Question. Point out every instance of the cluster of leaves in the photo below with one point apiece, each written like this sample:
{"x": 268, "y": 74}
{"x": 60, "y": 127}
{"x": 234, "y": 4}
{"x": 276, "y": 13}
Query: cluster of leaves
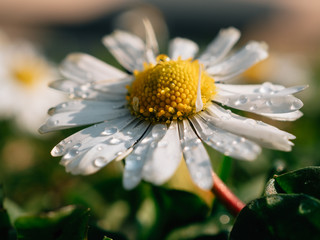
{"x": 289, "y": 209}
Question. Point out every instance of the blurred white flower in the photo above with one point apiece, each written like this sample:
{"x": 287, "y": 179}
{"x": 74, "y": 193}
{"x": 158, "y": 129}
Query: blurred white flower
{"x": 167, "y": 108}
{"x": 24, "y": 78}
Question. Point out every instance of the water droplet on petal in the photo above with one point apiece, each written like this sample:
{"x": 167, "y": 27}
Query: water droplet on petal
{"x": 295, "y": 105}
{"x": 269, "y": 103}
{"x": 100, "y": 162}
{"x": 241, "y": 100}
{"x": 253, "y": 107}
{"x": 109, "y": 131}
{"x": 114, "y": 141}
{"x": 162, "y": 144}
{"x": 158, "y": 131}
{"x": 57, "y": 150}
{"x": 250, "y": 121}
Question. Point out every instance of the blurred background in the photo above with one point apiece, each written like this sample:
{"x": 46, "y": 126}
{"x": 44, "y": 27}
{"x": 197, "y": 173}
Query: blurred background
{"x": 37, "y": 35}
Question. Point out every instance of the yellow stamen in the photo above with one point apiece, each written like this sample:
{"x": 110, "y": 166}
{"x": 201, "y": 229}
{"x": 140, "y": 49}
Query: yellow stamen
{"x": 168, "y": 90}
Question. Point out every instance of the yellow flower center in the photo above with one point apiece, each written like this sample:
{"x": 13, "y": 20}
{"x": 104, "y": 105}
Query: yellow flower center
{"x": 168, "y": 90}
{"x": 29, "y": 72}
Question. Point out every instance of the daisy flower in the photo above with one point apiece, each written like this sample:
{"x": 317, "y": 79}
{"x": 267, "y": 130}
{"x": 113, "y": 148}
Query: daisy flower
{"x": 24, "y": 78}
{"x": 166, "y": 107}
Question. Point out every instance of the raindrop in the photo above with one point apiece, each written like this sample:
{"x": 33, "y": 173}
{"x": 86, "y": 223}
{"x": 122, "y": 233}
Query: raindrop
{"x": 57, "y": 150}
{"x": 77, "y": 146}
{"x": 63, "y": 105}
{"x": 266, "y": 88}
{"x": 250, "y": 121}
{"x": 253, "y": 107}
{"x": 295, "y": 105}
{"x": 71, "y": 154}
{"x": 241, "y": 100}
{"x": 186, "y": 149}
{"x": 109, "y": 131}
{"x": 85, "y": 95}
{"x": 114, "y": 141}
{"x": 162, "y": 144}
{"x": 224, "y": 219}
{"x": 305, "y": 208}
{"x": 269, "y": 103}
{"x": 158, "y": 131}
{"x": 100, "y": 162}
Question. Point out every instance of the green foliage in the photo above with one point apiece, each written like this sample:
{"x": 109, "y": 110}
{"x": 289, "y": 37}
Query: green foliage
{"x": 5, "y": 226}
{"x": 68, "y": 223}
{"x": 290, "y": 209}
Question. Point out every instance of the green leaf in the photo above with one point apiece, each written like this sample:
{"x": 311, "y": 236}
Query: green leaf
{"x": 305, "y": 180}
{"x": 68, "y": 223}
{"x": 281, "y": 216}
{"x": 6, "y": 230}
{"x": 176, "y": 208}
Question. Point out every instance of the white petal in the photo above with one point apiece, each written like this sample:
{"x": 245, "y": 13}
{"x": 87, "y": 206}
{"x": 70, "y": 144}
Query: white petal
{"x": 258, "y": 99}
{"x": 182, "y": 47}
{"x": 264, "y": 89}
{"x": 163, "y": 157}
{"x": 291, "y": 116}
{"x": 85, "y": 68}
{"x": 92, "y": 90}
{"x": 94, "y": 134}
{"x": 78, "y": 105}
{"x": 134, "y": 163}
{"x": 220, "y": 46}
{"x": 262, "y": 133}
{"x": 79, "y": 118}
{"x": 127, "y": 48}
{"x": 99, "y": 155}
{"x": 199, "y": 103}
{"x": 195, "y": 155}
{"x": 152, "y": 48}
{"x": 249, "y": 55}
{"x": 225, "y": 142}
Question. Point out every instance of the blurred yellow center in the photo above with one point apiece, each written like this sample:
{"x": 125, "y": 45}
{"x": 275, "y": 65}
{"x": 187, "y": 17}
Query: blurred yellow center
{"x": 168, "y": 90}
{"x": 25, "y": 76}
{"x": 29, "y": 71}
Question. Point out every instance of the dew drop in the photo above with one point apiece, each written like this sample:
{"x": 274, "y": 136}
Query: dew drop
{"x": 224, "y": 219}
{"x": 99, "y": 148}
{"x": 305, "y": 208}
{"x": 253, "y": 107}
{"x": 162, "y": 144}
{"x": 109, "y": 131}
{"x": 63, "y": 105}
{"x": 241, "y": 100}
{"x": 266, "y": 88}
{"x": 100, "y": 162}
{"x": 250, "y": 121}
{"x": 295, "y": 105}
{"x": 269, "y": 103}
{"x": 57, "y": 150}
{"x": 114, "y": 141}
{"x": 77, "y": 146}
{"x": 158, "y": 131}
{"x": 186, "y": 149}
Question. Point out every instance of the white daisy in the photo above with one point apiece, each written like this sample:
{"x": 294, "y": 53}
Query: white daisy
{"x": 24, "y": 78}
{"x": 166, "y": 108}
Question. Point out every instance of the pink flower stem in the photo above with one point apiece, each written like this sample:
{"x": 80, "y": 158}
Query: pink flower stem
{"x": 225, "y": 196}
